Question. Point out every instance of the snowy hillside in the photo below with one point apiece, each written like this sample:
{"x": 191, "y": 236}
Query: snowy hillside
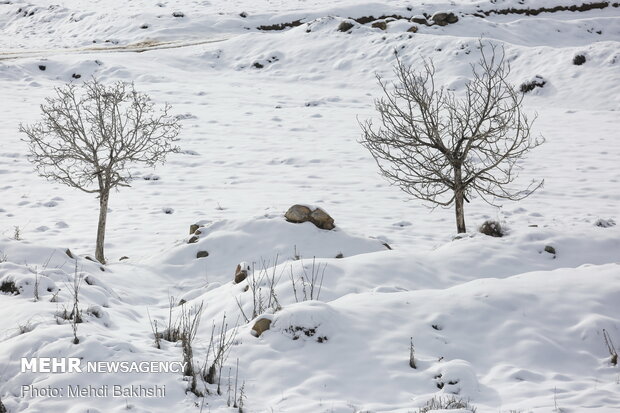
{"x": 270, "y": 95}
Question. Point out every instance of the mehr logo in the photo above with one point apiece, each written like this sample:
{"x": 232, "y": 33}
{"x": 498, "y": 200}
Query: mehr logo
{"x": 51, "y": 365}
{"x": 75, "y": 365}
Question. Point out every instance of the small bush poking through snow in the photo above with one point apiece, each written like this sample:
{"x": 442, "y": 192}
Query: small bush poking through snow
{"x": 610, "y": 347}
{"x": 492, "y": 229}
{"x": 603, "y": 223}
{"x": 579, "y": 59}
{"x": 447, "y": 403}
{"x": 25, "y": 328}
{"x": 9, "y": 287}
{"x": 538, "y": 81}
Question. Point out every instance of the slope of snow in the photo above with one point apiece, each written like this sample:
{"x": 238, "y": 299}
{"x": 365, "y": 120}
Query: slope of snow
{"x": 498, "y": 321}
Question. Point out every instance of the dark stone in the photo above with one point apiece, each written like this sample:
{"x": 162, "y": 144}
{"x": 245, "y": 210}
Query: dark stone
{"x": 240, "y": 274}
{"x": 443, "y": 19}
{"x": 69, "y": 253}
{"x": 379, "y": 25}
{"x": 193, "y": 228}
{"x": 144, "y": 26}
{"x": 178, "y": 14}
{"x": 258, "y": 65}
{"x": 42, "y": 67}
{"x": 550, "y": 249}
{"x": 419, "y": 20}
{"x": 202, "y": 254}
{"x": 123, "y": 258}
{"x": 243, "y": 14}
{"x": 76, "y": 75}
{"x": 280, "y": 26}
{"x": 345, "y": 26}
{"x": 192, "y": 240}
{"x": 413, "y": 29}
{"x": 340, "y": 255}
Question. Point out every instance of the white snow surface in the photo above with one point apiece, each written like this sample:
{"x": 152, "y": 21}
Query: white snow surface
{"x": 497, "y": 321}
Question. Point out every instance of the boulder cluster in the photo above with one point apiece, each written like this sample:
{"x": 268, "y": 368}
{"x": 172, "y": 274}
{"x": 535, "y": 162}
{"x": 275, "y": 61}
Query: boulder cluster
{"x": 301, "y": 213}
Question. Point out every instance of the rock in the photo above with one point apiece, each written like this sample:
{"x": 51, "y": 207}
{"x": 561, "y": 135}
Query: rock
{"x": 42, "y": 67}
{"x": 492, "y": 229}
{"x": 379, "y": 25}
{"x": 178, "y": 14}
{"x": 261, "y": 326}
{"x": 123, "y": 258}
{"x": 579, "y": 60}
{"x": 192, "y": 240}
{"x": 345, "y": 26}
{"x": 69, "y": 253}
{"x": 301, "y": 213}
{"x": 193, "y": 228}
{"x": 413, "y": 29}
{"x": 202, "y": 254}
{"x": 298, "y": 214}
{"x": 550, "y": 250}
{"x": 322, "y": 219}
{"x": 340, "y": 255}
{"x": 419, "y": 20}
{"x": 443, "y": 19}
{"x": 241, "y": 273}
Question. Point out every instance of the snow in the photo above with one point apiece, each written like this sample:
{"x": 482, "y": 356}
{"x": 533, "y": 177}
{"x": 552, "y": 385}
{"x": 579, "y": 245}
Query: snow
{"x": 496, "y": 321}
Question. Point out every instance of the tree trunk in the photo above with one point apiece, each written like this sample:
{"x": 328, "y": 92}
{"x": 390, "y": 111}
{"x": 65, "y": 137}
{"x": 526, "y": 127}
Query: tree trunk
{"x": 459, "y": 197}
{"x": 104, "y": 195}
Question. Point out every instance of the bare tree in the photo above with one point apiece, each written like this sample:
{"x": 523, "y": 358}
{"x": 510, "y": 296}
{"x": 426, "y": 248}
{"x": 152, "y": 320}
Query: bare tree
{"x": 440, "y": 147}
{"x": 90, "y": 135}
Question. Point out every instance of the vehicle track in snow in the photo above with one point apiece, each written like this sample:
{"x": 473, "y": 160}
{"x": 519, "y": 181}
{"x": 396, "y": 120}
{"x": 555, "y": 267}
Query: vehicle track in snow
{"x": 139, "y": 47}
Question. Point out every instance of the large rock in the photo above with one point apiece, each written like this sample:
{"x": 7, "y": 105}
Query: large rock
{"x": 443, "y": 19}
{"x": 379, "y": 25}
{"x": 301, "y": 213}
{"x": 345, "y": 26}
{"x": 322, "y": 219}
{"x": 261, "y": 326}
{"x": 419, "y": 20}
{"x": 241, "y": 272}
{"x": 298, "y": 214}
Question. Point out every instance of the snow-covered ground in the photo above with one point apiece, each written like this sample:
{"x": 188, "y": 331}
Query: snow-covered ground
{"x": 497, "y": 321}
